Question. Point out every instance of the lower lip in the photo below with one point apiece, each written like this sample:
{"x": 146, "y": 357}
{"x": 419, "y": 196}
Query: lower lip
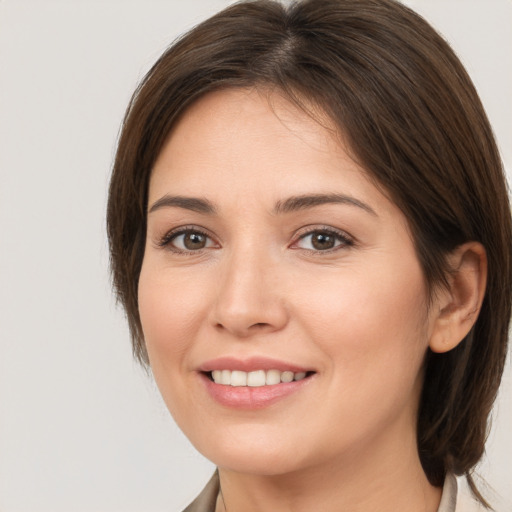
{"x": 245, "y": 397}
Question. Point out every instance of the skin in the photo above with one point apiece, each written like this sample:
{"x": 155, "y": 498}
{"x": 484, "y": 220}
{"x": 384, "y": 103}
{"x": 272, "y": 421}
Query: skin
{"x": 357, "y": 314}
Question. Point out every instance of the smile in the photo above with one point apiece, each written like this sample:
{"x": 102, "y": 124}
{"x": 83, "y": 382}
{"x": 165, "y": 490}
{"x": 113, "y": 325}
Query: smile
{"x": 255, "y": 379}
{"x": 255, "y": 382}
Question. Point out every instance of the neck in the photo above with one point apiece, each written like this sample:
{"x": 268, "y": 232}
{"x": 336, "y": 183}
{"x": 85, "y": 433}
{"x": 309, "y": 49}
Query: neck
{"x": 388, "y": 479}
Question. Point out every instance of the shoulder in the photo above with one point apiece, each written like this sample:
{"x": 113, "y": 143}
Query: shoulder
{"x": 206, "y": 500}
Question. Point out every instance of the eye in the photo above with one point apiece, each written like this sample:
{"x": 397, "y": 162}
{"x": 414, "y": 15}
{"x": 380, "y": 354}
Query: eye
{"x": 323, "y": 240}
{"x": 187, "y": 240}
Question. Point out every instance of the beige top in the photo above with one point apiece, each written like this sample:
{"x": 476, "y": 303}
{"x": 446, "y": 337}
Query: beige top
{"x": 456, "y": 497}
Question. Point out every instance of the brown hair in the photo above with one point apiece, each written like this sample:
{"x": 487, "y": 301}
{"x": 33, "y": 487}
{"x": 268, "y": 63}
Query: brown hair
{"x": 413, "y": 120}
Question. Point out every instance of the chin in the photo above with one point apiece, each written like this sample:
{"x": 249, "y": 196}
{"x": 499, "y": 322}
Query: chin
{"x": 252, "y": 453}
{"x": 271, "y": 464}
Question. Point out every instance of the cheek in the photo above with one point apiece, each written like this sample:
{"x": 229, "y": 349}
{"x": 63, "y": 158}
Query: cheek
{"x": 382, "y": 297}
{"x": 373, "y": 332}
{"x": 373, "y": 325}
{"x": 170, "y": 308}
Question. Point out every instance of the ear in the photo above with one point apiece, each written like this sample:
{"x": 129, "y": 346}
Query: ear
{"x": 456, "y": 308}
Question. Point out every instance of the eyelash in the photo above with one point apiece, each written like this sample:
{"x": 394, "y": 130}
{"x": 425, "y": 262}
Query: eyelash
{"x": 166, "y": 240}
{"x": 344, "y": 239}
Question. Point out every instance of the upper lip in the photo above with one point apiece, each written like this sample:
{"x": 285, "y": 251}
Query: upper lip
{"x": 250, "y": 364}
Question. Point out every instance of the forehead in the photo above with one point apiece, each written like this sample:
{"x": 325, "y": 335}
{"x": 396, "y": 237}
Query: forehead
{"x": 232, "y": 123}
{"x": 257, "y": 146}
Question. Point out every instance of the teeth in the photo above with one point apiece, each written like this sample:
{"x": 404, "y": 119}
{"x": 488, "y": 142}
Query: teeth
{"x": 254, "y": 379}
{"x": 225, "y": 377}
{"x": 286, "y": 376}
{"x": 238, "y": 378}
{"x": 273, "y": 377}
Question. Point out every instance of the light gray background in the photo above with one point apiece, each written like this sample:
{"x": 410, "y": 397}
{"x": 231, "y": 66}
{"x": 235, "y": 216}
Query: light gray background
{"x": 81, "y": 427}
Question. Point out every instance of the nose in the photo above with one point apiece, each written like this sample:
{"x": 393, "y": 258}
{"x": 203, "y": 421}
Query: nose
{"x": 250, "y": 298}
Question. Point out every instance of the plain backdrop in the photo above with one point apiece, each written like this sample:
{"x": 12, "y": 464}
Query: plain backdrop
{"x": 82, "y": 428}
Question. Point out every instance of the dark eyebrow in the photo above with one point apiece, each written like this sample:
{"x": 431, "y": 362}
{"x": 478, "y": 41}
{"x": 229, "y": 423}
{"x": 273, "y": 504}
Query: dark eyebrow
{"x": 188, "y": 203}
{"x": 303, "y": 202}
{"x": 289, "y": 205}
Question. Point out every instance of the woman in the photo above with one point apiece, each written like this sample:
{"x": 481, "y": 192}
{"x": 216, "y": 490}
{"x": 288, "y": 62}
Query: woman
{"x": 310, "y": 233}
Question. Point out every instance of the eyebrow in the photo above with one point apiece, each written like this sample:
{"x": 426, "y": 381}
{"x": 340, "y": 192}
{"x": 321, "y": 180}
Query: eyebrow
{"x": 303, "y": 202}
{"x": 291, "y": 204}
{"x": 194, "y": 204}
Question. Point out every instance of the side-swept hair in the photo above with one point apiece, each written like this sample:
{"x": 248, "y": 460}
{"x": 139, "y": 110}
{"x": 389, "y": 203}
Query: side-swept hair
{"x": 413, "y": 120}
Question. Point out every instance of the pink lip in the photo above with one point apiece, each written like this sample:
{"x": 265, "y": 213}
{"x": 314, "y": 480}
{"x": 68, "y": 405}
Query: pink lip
{"x": 248, "y": 398}
{"x": 250, "y": 365}
{"x": 245, "y": 397}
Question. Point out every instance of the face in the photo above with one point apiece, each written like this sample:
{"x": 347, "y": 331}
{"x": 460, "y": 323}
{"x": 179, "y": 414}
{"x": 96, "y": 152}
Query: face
{"x": 281, "y": 299}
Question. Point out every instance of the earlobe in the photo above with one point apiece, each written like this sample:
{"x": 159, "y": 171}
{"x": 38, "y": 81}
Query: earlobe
{"x": 458, "y": 306}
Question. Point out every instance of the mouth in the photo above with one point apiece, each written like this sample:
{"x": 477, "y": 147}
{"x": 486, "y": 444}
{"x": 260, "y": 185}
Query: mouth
{"x": 256, "y": 378}
{"x": 255, "y": 382}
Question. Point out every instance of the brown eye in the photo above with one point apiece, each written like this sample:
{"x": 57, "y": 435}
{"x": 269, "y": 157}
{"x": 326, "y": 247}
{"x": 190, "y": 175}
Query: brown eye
{"x": 322, "y": 240}
{"x": 189, "y": 240}
{"x": 193, "y": 241}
